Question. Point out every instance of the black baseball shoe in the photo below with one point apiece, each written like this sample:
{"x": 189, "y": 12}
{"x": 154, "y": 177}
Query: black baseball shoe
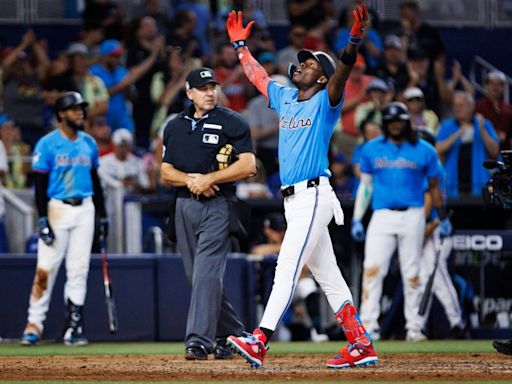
{"x": 196, "y": 351}
{"x": 222, "y": 351}
{"x": 504, "y": 346}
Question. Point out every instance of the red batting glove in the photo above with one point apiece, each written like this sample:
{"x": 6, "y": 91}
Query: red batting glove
{"x": 236, "y": 31}
{"x": 360, "y": 14}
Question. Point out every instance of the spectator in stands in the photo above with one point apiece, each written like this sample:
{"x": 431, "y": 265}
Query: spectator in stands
{"x": 101, "y": 132}
{"x": 119, "y": 80}
{"x": 158, "y": 10}
{"x": 288, "y": 54}
{"x": 371, "y": 47}
{"x": 249, "y": 11}
{"x": 92, "y": 36}
{"x": 168, "y": 87}
{"x": 79, "y": 78}
{"x": 4, "y": 168}
{"x": 421, "y": 117}
{"x": 459, "y": 78}
{"x": 123, "y": 165}
{"x": 23, "y": 69}
{"x": 184, "y": 36}
{"x": 274, "y": 227}
{"x": 419, "y": 34}
{"x": 369, "y": 130}
{"x": 355, "y": 93}
{"x": 232, "y": 79}
{"x": 18, "y": 154}
{"x": 146, "y": 35}
{"x": 378, "y": 95}
{"x": 434, "y": 87}
{"x": 309, "y": 13}
{"x": 342, "y": 180}
{"x": 316, "y": 37}
{"x": 254, "y": 187}
{"x": 268, "y": 60}
{"x": 493, "y": 107}
{"x": 264, "y": 125}
{"x": 202, "y": 29}
{"x": 108, "y": 14}
{"x": 393, "y": 70}
{"x": 463, "y": 143}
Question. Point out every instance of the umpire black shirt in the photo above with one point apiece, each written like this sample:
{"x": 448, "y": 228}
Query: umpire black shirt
{"x": 191, "y": 144}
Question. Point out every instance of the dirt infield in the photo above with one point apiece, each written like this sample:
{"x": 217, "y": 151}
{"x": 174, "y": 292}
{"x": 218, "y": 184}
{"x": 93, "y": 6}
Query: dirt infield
{"x": 153, "y": 368}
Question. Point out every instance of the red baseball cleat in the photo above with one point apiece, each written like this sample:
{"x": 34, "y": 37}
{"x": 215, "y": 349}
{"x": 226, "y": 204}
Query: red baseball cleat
{"x": 251, "y": 347}
{"x": 354, "y": 355}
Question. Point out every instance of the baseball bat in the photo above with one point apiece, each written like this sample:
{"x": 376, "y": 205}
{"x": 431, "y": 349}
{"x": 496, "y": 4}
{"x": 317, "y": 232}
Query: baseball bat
{"x": 107, "y": 283}
{"x": 428, "y": 288}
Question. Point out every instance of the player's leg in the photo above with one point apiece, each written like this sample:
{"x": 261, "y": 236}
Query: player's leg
{"x": 78, "y": 259}
{"x": 307, "y": 215}
{"x": 410, "y": 246}
{"x": 49, "y": 259}
{"x": 379, "y": 247}
{"x": 444, "y": 289}
{"x": 323, "y": 265}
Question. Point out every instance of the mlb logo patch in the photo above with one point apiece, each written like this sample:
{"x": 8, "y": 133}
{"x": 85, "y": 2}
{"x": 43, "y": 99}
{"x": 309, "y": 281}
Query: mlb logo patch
{"x": 205, "y": 74}
{"x": 209, "y": 138}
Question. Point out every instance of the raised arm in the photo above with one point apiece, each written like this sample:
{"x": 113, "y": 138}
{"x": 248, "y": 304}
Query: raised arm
{"x": 336, "y": 84}
{"x": 256, "y": 74}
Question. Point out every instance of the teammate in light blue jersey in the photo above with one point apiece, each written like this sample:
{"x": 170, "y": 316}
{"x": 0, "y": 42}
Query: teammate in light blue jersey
{"x": 307, "y": 115}
{"x": 394, "y": 168}
{"x": 68, "y": 197}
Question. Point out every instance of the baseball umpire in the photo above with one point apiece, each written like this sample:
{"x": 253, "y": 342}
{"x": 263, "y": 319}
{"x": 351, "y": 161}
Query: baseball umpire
{"x": 307, "y": 115}
{"x": 394, "y": 168}
{"x": 68, "y": 195}
{"x": 204, "y": 134}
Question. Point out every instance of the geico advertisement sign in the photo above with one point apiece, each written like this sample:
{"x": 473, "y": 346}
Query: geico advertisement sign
{"x": 477, "y": 242}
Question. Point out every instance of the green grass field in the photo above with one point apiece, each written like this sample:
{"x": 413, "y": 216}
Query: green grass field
{"x": 391, "y": 347}
{"x": 438, "y": 346}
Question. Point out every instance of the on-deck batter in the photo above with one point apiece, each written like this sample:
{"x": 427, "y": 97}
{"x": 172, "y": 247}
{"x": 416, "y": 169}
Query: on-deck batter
{"x": 306, "y": 120}
{"x": 68, "y": 191}
{"x": 393, "y": 171}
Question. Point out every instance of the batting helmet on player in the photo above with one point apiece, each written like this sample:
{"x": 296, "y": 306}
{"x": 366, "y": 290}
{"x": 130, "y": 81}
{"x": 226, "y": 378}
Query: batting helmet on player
{"x": 326, "y": 62}
{"x": 69, "y": 100}
{"x": 397, "y": 111}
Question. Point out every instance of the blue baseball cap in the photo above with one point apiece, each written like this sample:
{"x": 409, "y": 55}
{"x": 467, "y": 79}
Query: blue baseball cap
{"x": 111, "y": 47}
{"x": 4, "y": 118}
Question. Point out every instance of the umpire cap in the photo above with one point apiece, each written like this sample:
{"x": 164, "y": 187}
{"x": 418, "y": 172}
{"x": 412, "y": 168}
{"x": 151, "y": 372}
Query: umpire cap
{"x": 395, "y": 111}
{"x": 199, "y": 77}
{"x": 326, "y": 62}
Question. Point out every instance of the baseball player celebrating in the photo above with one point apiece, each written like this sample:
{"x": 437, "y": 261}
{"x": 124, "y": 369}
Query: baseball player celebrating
{"x": 394, "y": 167}
{"x": 68, "y": 192}
{"x": 306, "y": 120}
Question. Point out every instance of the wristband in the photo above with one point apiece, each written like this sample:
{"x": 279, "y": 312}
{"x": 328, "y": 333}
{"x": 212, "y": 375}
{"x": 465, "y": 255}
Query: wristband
{"x": 348, "y": 58}
{"x": 238, "y": 44}
{"x": 355, "y": 40}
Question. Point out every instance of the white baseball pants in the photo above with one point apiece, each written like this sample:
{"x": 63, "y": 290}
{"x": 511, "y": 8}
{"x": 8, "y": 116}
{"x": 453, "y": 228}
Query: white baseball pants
{"x": 443, "y": 285}
{"x": 387, "y": 230}
{"x": 308, "y": 213}
{"x": 74, "y": 231}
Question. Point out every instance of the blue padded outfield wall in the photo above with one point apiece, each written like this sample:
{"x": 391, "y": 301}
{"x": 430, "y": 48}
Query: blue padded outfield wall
{"x": 151, "y": 294}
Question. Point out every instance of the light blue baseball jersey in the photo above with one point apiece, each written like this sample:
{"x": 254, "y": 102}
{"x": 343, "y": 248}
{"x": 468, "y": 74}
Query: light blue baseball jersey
{"x": 398, "y": 171}
{"x": 305, "y": 129}
{"x": 68, "y": 163}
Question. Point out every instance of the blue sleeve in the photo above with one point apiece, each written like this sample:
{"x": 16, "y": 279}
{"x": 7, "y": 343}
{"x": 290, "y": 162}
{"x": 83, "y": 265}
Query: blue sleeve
{"x": 366, "y": 161}
{"x": 341, "y": 40}
{"x": 376, "y": 40}
{"x": 445, "y": 131}
{"x": 275, "y": 95}
{"x": 95, "y": 157}
{"x": 490, "y": 130}
{"x": 121, "y": 73}
{"x": 432, "y": 162}
{"x": 41, "y": 159}
{"x": 356, "y": 156}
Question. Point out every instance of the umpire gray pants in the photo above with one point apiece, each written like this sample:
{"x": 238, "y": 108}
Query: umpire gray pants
{"x": 202, "y": 231}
